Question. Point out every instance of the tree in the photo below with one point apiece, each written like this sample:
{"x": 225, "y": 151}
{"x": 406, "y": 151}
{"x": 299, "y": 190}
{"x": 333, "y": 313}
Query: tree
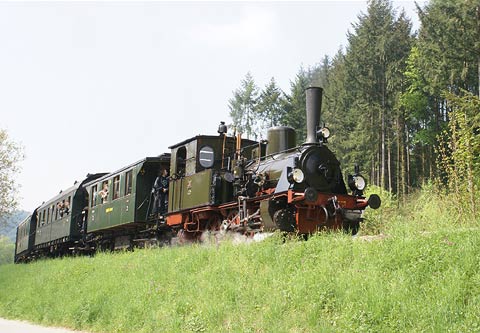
{"x": 243, "y": 106}
{"x": 418, "y": 121}
{"x": 449, "y": 44}
{"x": 270, "y": 106}
{"x": 338, "y": 116}
{"x": 296, "y": 105}
{"x": 10, "y": 156}
{"x": 374, "y": 63}
{"x": 446, "y": 59}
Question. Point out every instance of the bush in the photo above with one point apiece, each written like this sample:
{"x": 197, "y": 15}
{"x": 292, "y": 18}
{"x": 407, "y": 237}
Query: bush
{"x": 430, "y": 208}
{"x": 7, "y": 249}
{"x": 377, "y": 220}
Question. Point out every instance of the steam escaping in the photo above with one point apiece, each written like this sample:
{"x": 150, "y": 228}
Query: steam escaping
{"x": 223, "y": 236}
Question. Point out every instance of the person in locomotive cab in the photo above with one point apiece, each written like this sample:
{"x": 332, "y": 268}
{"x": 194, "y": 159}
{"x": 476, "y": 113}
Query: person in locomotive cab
{"x": 160, "y": 191}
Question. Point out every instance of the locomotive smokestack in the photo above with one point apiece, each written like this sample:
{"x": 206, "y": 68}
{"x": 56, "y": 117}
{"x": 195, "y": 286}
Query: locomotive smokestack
{"x": 314, "y": 110}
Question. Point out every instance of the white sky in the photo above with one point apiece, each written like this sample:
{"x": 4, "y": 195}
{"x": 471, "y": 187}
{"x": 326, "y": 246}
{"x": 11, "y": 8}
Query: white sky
{"x": 94, "y": 86}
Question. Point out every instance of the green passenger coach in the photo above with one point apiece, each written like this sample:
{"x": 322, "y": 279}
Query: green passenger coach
{"x": 121, "y": 202}
{"x": 59, "y": 221}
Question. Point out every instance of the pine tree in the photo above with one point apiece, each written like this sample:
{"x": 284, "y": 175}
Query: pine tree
{"x": 243, "y": 107}
{"x": 449, "y": 45}
{"x": 296, "y": 108}
{"x": 271, "y": 106}
{"x": 337, "y": 115}
{"x": 377, "y": 51}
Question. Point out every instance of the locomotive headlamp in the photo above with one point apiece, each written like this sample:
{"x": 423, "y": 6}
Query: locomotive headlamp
{"x": 296, "y": 175}
{"x": 356, "y": 182}
{"x": 324, "y": 132}
{"x": 359, "y": 182}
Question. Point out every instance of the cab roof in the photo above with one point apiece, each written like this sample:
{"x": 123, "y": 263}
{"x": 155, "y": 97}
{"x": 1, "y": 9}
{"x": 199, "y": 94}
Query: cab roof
{"x": 184, "y": 142}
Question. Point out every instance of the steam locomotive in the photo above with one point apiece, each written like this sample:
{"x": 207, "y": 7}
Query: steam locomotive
{"x": 217, "y": 183}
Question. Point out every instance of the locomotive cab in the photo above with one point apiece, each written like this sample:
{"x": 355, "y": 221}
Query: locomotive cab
{"x": 202, "y": 173}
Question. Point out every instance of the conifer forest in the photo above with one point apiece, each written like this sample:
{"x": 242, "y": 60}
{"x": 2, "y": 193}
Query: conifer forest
{"x": 404, "y": 105}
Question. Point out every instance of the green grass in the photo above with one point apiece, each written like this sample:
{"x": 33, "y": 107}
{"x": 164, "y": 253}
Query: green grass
{"x": 421, "y": 277}
{"x": 330, "y": 283}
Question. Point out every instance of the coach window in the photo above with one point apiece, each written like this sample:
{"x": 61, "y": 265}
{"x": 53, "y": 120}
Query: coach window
{"x": 48, "y": 214}
{"x": 57, "y": 210}
{"x": 104, "y": 192}
{"x": 66, "y": 206}
{"x": 116, "y": 187}
{"x": 128, "y": 182}
{"x": 52, "y": 210}
{"x": 93, "y": 196}
{"x": 43, "y": 217}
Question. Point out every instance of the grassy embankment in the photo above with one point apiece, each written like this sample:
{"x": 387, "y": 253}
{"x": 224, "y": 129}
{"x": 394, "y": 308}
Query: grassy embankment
{"x": 422, "y": 276}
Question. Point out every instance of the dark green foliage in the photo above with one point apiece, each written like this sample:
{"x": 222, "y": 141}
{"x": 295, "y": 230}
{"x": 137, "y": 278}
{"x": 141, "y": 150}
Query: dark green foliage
{"x": 446, "y": 59}
{"x": 384, "y": 95}
{"x": 449, "y": 44}
{"x": 363, "y": 89}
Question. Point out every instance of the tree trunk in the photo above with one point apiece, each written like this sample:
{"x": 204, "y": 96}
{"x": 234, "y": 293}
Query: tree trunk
{"x": 382, "y": 179}
{"x": 379, "y": 170}
{"x": 399, "y": 158}
{"x": 372, "y": 171}
{"x": 407, "y": 178}
{"x": 478, "y": 51}
{"x": 389, "y": 166}
{"x": 423, "y": 165}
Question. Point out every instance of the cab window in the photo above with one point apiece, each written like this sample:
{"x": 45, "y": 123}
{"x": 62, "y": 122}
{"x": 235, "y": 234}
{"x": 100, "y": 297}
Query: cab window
{"x": 206, "y": 157}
